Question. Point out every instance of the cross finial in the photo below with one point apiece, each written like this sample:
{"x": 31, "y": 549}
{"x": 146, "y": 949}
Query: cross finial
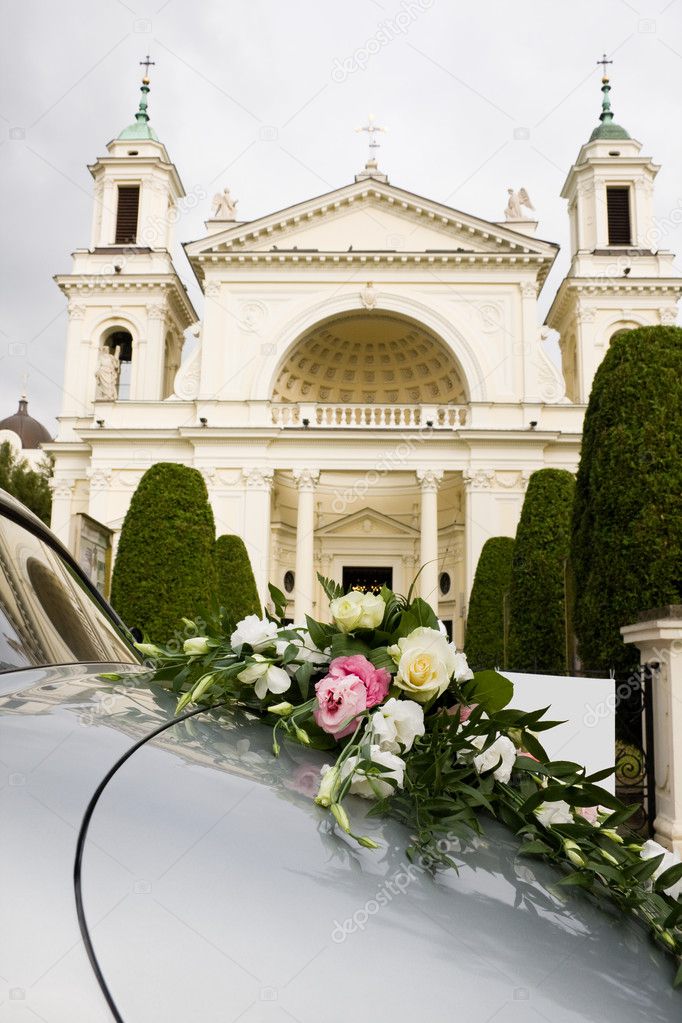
{"x": 146, "y": 64}
{"x": 603, "y": 63}
{"x": 372, "y": 130}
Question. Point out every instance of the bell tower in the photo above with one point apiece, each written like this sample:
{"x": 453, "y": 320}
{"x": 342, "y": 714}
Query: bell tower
{"x": 128, "y": 308}
{"x": 618, "y": 278}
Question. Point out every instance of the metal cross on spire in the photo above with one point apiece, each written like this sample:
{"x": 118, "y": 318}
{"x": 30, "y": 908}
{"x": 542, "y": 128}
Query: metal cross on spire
{"x": 603, "y": 63}
{"x": 372, "y": 130}
{"x": 146, "y": 64}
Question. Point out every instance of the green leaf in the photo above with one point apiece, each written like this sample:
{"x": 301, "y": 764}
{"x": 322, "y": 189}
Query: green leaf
{"x": 319, "y": 633}
{"x": 381, "y": 659}
{"x": 534, "y": 848}
{"x": 302, "y": 677}
{"x": 668, "y": 878}
{"x": 535, "y": 748}
{"x": 579, "y": 879}
{"x": 489, "y": 689}
{"x": 278, "y": 599}
{"x": 332, "y": 589}
{"x": 678, "y": 977}
{"x": 423, "y": 614}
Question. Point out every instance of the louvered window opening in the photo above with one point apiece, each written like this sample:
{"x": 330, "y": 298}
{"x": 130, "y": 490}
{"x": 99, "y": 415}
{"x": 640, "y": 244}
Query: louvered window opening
{"x": 126, "y": 214}
{"x": 618, "y": 213}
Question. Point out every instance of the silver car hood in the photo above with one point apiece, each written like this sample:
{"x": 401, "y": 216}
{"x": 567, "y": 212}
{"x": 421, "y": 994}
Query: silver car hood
{"x": 214, "y": 889}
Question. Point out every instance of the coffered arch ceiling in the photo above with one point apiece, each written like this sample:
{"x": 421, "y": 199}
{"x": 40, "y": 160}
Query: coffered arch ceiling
{"x": 370, "y": 357}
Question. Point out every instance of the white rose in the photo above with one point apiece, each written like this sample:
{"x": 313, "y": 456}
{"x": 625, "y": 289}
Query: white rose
{"x": 266, "y": 677}
{"x": 397, "y": 723}
{"x": 554, "y": 813}
{"x": 196, "y": 645}
{"x": 358, "y": 610}
{"x": 501, "y": 752}
{"x": 257, "y": 632}
{"x": 375, "y": 786}
{"x": 427, "y": 663}
{"x": 651, "y": 849}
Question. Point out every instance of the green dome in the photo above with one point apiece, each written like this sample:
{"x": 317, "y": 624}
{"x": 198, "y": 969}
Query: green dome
{"x": 139, "y": 130}
{"x": 609, "y": 130}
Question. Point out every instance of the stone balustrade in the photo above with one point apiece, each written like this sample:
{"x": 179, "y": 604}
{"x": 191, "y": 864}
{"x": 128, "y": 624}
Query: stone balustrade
{"x": 395, "y": 416}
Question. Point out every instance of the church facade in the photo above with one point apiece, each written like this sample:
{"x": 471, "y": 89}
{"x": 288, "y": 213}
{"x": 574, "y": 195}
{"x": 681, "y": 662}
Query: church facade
{"x": 368, "y": 390}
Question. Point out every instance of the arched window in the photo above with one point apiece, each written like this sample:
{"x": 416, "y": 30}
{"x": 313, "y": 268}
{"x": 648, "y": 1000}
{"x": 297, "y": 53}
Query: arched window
{"x": 122, "y": 339}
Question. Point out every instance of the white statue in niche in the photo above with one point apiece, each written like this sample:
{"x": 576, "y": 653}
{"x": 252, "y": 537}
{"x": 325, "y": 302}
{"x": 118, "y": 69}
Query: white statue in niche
{"x": 368, "y": 296}
{"x": 107, "y": 374}
{"x": 224, "y": 206}
{"x": 515, "y": 202}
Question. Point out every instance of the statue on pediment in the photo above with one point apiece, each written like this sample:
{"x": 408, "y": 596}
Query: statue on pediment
{"x": 515, "y": 204}
{"x": 224, "y": 206}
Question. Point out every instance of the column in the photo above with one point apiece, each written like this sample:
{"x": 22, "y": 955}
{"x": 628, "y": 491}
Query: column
{"x": 256, "y": 531}
{"x": 62, "y": 494}
{"x": 429, "y": 480}
{"x": 304, "y": 587}
{"x": 658, "y": 636}
{"x": 480, "y": 519}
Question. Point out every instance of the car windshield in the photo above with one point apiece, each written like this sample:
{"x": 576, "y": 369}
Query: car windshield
{"x": 47, "y": 615}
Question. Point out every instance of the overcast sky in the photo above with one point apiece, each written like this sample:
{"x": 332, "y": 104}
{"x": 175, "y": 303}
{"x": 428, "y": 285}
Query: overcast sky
{"x": 264, "y": 96}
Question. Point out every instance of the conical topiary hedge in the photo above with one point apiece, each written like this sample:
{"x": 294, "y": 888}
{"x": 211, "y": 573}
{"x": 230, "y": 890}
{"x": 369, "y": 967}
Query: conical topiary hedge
{"x": 538, "y": 639}
{"x": 164, "y": 568}
{"x": 626, "y": 546}
{"x": 484, "y": 643}
{"x": 236, "y": 586}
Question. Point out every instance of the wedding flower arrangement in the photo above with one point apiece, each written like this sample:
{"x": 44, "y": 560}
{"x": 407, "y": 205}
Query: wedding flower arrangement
{"x": 407, "y": 725}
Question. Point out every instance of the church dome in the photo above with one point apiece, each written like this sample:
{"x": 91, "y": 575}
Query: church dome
{"x": 370, "y": 358}
{"x": 29, "y": 430}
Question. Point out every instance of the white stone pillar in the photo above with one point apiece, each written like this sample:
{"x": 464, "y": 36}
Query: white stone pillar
{"x": 429, "y": 480}
{"x": 304, "y": 588}
{"x": 256, "y": 528}
{"x": 60, "y": 520}
{"x": 658, "y": 637}
{"x": 479, "y": 523}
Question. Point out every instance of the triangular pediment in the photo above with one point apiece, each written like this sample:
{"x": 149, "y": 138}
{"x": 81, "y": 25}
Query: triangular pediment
{"x": 368, "y": 522}
{"x": 368, "y": 216}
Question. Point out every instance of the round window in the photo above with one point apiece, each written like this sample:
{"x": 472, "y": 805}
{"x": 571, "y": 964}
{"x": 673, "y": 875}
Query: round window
{"x": 444, "y": 582}
{"x": 289, "y": 580}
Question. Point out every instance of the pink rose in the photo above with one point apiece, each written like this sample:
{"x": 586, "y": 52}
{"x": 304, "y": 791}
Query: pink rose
{"x": 338, "y": 700}
{"x": 376, "y": 681}
{"x": 588, "y": 812}
{"x": 352, "y": 685}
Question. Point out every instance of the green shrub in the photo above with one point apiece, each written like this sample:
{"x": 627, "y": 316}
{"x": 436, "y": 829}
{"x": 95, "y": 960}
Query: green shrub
{"x": 164, "y": 568}
{"x": 537, "y": 595}
{"x": 484, "y": 643}
{"x": 626, "y": 545}
{"x": 30, "y": 486}
{"x": 236, "y": 586}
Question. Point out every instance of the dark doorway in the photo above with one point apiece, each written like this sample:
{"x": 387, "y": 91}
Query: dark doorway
{"x": 366, "y": 580}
